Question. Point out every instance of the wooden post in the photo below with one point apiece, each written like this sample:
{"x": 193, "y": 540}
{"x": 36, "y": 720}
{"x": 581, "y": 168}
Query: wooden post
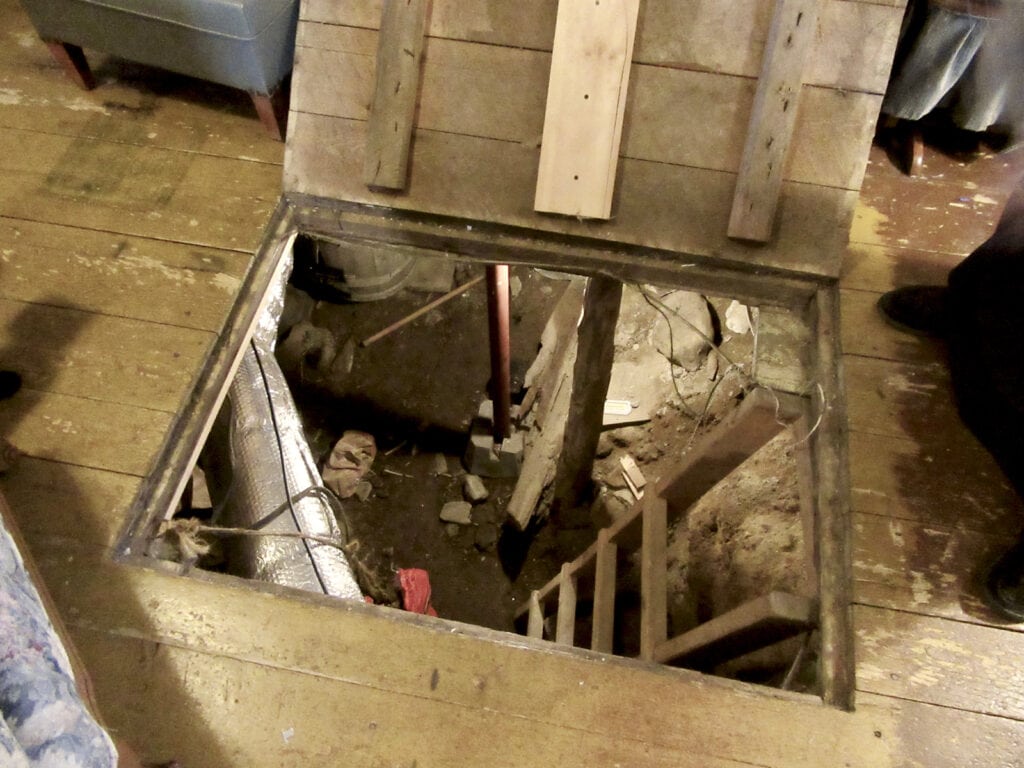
{"x": 653, "y": 576}
{"x": 565, "y": 624}
{"x": 392, "y": 117}
{"x": 591, "y": 374}
{"x": 603, "y": 632}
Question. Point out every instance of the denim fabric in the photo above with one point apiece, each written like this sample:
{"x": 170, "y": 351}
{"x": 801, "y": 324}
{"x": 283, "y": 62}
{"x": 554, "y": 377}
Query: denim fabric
{"x": 44, "y": 723}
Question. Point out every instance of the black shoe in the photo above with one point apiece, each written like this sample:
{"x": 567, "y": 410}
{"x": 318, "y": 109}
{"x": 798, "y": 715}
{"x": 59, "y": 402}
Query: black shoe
{"x": 1004, "y": 586}
{"x": 10, "y": 382}
{"x": 920, "y": 309}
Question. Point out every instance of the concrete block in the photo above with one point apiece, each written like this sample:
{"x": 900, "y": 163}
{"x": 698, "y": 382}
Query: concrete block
{"x": 486, "y": 459}
{"x": 474, "y": 490}
{"x": 460, "y": 512}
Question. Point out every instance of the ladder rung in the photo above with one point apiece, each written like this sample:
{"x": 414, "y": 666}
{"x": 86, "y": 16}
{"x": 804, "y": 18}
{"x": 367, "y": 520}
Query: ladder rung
{"x": 755, "y": 624}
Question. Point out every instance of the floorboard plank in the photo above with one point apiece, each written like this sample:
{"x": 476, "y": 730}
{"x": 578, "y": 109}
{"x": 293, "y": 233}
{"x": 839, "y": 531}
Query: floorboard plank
{"x": 113, "y": 359}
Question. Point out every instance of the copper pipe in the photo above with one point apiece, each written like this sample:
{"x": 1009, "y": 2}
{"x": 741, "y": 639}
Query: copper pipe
{"x": 497, "y": 308}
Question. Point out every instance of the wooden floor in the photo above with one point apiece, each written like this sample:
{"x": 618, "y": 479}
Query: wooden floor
{"x": 128, "y": 216}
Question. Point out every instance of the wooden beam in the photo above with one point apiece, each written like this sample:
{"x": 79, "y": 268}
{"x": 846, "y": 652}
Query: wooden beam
{"x": 392, "y": 117}
{"x": 565, "y": 624}
{"x": 591, "y": 374}
{"x": 586, "y": 102}
{"x": 772, "y": 119}
{"x": 761, "y": 416}
{"x": 602, "y": 634}
{"x": 535, "y": 626}
{"x": 755, "y": 624}
{"x": 653, "y": 577}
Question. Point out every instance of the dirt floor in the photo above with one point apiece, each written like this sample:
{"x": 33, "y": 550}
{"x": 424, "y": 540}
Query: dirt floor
{"x": 417, "y": 390}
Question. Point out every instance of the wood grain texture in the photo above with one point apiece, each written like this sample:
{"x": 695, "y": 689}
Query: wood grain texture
{"x": 772, "y": 119}
{"x": 727, "y": 38}
{"x": 351, "y": 648}
{"x": 603, "y": 631}
{"x": 479, "y": 90}
{"x": 653, "y": 574}
{"x": 119, "y": 276}
{"x": 867, "y": 334}
{"x": 565, "y": 621}
{"x": 586, "y": 104}
{"x": 936, "y": 661}
{"x": 487, "y": 180}
{"x": 393, "y": 111}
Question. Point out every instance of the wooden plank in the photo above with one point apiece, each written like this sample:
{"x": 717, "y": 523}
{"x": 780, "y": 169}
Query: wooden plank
{"x": 393, "y": 110}
{"x": 352, "y": 645}
{"x": 867, "y": 334}
{"x": 879, "y": 268}
{"x": 772, "y": 118}
{"x": 110, "y": 274}
{"x": 954, "y": 484}
{"x": 498, "y": 93}
{"x": 592, "y": 370}
{"x": 487, "y": 180}
{"x": 782, "y": 352}
{"x": 84, "y": 432}
{"x": 760, "y": 417}
{"x": 755, "y": 624}
{"x": 535, "y": 626}
{"x": 924, "y": 568}
{"x": 112, "y": 359}
{"x": 828, "y": 444}
{"x": 853, "y": 50}
{"x": 586, "y": 103}
{"x": 603, "y": 631}
{"x": 55, "y": 500}
{"x": 936, "y": 661}
{"x": 653, "y": 576}
{"x": 141, "y": 191}
{"x": 565, "y": 623}
{"x": 939, "y": 737}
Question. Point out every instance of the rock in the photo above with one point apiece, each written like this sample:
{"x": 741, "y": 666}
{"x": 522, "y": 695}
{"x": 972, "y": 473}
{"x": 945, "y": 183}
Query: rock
{"x": 363, "y": 490}
{"x": 737, "y": 318}
{"x": 486, "y": 538}
{"x": 460, "y": 512}
{"x": 604, "y": 445}
{"x": 474, "y": 490}
{"x": 515, "y": 286}
{"x": 691, "y": 327}
{"x": 308, "y": 345}
{"x": 452, "y": 530}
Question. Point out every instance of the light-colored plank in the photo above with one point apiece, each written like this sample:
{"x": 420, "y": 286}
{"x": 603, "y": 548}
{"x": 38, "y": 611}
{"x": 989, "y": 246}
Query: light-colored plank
{"x": 755, "y": 624}
{"x": 392, "y": 114}
{"x": 936, "y": 661}
{"x": 110, "y": 274}
{"x": 112, "y": 359}
{"x": 653, "y": 575}
{"x": 760, "y": 417}
{"x": 89, "y": 433}
{"x": 853, "y": 49}
{"x": 586, "y": 103}
{"x": 473, "y": 178}
{"x": 952, "y": 483}
{"x": 565, "y": 622}
{"x": 602, "y": 634}
{"x": 878, "y": 268}
{"x": 353, "y": 645}
{"x": 498, "y": 93}
{"x": 772, "y": 118}
{"x": 924, "y": 568}
{"x": 55, "y": 500}
{"x": 783, "y": 350}
{"x": 142, "y": 191}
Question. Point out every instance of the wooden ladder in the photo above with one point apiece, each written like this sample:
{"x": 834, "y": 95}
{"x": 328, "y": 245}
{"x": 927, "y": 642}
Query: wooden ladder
{"x": 757, "y": 623}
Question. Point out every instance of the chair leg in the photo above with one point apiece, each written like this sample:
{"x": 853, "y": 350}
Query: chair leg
{"x": 72, "y": 59}
{"x": 273, "y": 111}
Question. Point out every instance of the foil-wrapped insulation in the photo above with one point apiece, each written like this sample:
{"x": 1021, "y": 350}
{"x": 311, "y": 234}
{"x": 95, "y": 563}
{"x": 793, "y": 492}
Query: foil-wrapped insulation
{"x": 243, "y": 460}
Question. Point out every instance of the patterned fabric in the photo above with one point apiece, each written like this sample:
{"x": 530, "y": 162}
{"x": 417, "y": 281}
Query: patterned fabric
{"x": 44, "y": 723}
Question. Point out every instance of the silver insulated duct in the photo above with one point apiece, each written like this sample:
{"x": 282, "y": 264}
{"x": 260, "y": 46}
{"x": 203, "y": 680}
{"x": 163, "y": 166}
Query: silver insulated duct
{"x": 256, "y": 459}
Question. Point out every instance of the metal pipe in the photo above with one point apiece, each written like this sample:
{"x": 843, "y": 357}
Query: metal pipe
{"x": 497, "y": 308}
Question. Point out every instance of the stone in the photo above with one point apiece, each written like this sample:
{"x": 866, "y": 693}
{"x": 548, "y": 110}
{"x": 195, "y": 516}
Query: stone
{"x": 307, "y": 346}
{"x": 604, "y": 445}
{"x": 515, "y": 286}
{"x": 440, "y": 464}
{"x": 452, "y": 529}
{"x": 460, "y": 512}
{"x": 685, "y": 338}
{"x": 485, "y": 459}
{"x": 474, "y": 490}
{"x": 363, "y": 490}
